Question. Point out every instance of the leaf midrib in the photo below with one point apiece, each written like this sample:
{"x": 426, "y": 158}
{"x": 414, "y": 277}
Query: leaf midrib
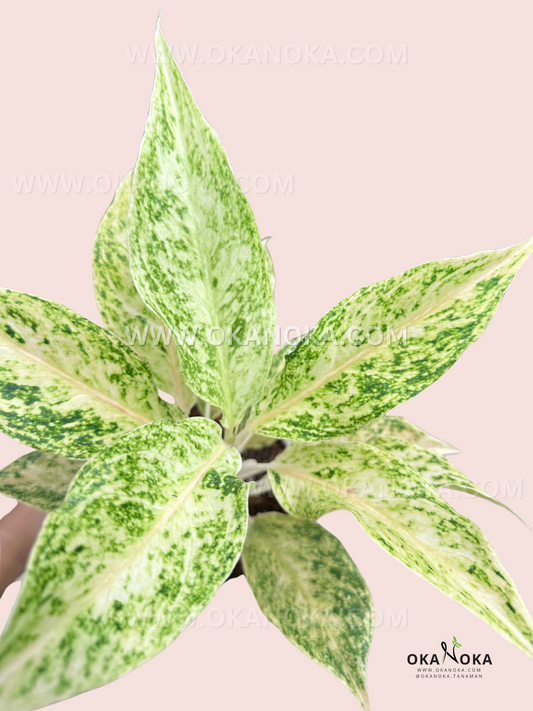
{"x": 285, "y": 405}
{"x": 80, "y": 385}
{"x": 417, "y": 543}
{"x": 106, "y": 581}
{"x": 222, "y": 351}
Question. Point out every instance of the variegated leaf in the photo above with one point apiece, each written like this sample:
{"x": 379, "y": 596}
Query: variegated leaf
{"x": 195, "y": 252}
{"x": 170, "y": 411}
{"x": 437, "y": 470}
{"x": 39, "y": 479}
{"x": 269, "y": 264}
{"x": 384, "y": 344}
{"x": 150, "y": 528}
{"x": 66, "y": 385}
{"x": 405, "y": 515}
{"x": 122, "y": 309}
{"x": 399, "y": 427}
{"x": 307, "y": 585}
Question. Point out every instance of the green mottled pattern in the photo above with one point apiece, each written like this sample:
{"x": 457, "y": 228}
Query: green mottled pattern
{"x": 39, "y": 479}
{"x": 122, "y": 309}
{"x": 436, "y": 469}
{"x": 329, "y": 387}
{"x": 405, "y": 515}
{"x": 66, "y": 385}
{"x": 195, "y": 250}
{"x": 400, "y": 428}
{"x": 307, "y": 585}
{"x": 150, "y": 529}
{"x": 170, "y": 411}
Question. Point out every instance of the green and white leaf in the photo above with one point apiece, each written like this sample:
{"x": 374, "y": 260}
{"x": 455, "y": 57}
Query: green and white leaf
{"x": 407, "y": 517}
{"x": 399, "y": 427}
{"x": 269, "y": 264}
{"x": 66, "y": 385}
{"x": 337, "y": 380}
{"x": 39, "y": 479}
{"x": 195, "y": 251}
{"x": 150, "y": 529}
{"x": 122, "y": 309}
{"x": 307, "y": 585}
{"x": 435, "y": 469}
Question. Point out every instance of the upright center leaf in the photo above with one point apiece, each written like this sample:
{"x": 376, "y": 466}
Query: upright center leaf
{"x": 196, "y": 255}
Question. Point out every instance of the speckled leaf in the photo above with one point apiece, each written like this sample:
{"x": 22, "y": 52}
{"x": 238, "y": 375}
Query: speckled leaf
{"x": 195, "y": 252}
{"x": 66, "y": 385}
{"x": 307, "y": 585}
{"x": 405, "y": 515}
{"x": 406, "y": 332}
{"x": 122, "y": 309}
{"x": 437, "y": 470}
{"x": 399, "y": 427}
{"x": 150, "y": 528}
{"x": 39, "y": 479}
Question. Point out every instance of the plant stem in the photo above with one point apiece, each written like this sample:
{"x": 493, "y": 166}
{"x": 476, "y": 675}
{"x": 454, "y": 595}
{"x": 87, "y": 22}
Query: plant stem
{"x": 251, "y": 467}
{"x": 242, "y": 440}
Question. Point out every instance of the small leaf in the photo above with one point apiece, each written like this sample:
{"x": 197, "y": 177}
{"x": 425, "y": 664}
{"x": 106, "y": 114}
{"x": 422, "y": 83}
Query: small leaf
{"x": 437, "y": 470}
{"x": 39, "y": 479}
{"x": 454, "y": 640}
{"x": 458, "y": 645}
{"x": 307, "y": 585}
{"x": 405, "y": 515}
{"x": 399, "y": 427}
{"x": 66, "y": 385}
{"x": 338, "y": 378}
{"x": 195, "y": 251}
{"x": 150, "y": 528}
{"x": 122, "y": 309}
{"x": 279, "y": 357}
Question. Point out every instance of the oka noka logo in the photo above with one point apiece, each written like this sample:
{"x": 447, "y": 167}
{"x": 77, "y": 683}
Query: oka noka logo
{"x": 453, "y": 654}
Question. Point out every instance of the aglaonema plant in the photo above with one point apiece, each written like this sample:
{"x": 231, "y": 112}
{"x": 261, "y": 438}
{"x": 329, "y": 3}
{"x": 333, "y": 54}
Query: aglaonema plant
{"x": 149, "y": 507}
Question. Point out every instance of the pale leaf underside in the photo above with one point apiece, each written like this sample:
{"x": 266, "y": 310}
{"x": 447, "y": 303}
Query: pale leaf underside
{"x": 307, "y": 585}
{"x": 39, "y": 479}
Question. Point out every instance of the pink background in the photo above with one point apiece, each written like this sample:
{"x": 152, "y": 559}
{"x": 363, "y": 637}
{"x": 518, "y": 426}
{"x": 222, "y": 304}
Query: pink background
{"x": 393, "y": 165}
